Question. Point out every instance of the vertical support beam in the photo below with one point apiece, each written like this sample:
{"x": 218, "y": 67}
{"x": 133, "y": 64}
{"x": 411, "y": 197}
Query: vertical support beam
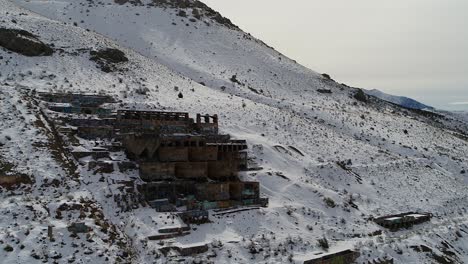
{"x": 50, "y": 233}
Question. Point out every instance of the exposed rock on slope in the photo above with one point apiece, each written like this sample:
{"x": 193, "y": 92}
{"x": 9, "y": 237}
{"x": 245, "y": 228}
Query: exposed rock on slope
{"x": 107, "y": 58}
{"x": 23, "y": 42}
{"x": 198, "y": 10}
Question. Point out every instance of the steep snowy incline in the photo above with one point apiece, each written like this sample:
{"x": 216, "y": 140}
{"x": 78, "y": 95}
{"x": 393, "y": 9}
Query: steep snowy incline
{"x": 399, "y": 160}
{"x": 201, "y": 49}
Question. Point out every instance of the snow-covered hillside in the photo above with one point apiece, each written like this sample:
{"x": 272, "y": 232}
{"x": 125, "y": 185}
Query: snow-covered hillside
{"x": 462, "y": 115}
{"x": 400, "y": 160}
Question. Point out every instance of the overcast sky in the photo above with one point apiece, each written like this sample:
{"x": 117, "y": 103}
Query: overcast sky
{"x": 417, "y": 48}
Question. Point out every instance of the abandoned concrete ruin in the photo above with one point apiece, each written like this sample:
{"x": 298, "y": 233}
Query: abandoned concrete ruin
{"x": 183, "y": 162}
{"x": 186, "y": 162}
{"x": 345, "y": 256}
{"x": 77, "y": 103}
{"x": 405, "y": 220}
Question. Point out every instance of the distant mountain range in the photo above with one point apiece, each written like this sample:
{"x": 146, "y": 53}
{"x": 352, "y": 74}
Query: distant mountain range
{"x": 399, "y": 100}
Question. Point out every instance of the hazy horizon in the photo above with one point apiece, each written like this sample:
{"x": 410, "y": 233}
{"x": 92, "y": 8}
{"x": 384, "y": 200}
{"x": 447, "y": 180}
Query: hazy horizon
{"x": 414, "y": 48}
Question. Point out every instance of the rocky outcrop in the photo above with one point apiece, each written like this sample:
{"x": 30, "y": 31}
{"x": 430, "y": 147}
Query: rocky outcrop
{"x": 191, "y": 8}
{"x": 107, "y": 58}
{"x": 360, "y": 96}
{"x": 23, "y": 42}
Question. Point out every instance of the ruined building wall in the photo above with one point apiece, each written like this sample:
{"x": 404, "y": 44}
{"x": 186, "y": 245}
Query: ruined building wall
{"x": 244, "y": 190}
{"x": 191, "y": 170}
{"x": 168, "y": 127}
{"x": 140, "y": 146}
{"x": 205, "y": 153}
{"x": 207, "y": 124}
{"x": 77, "y": 99}
{"x": 169, "y": 190}
{"x": 157, "y": 171}
{"x": 213, "y": 192}
{"x": 95, "y": 132}
{"x": 163, "y": 122}
{"x": 222, "y": 170}
{"x": 172, "y": 154}
{"x": 152, "y": 171}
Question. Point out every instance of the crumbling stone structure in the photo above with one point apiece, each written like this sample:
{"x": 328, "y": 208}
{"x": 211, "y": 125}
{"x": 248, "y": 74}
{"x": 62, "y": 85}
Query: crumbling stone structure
{"x": 207, "y": 125}
{"x": 75, "y": 103}
{"x": 186, "y": 160}
{"x": 183, "y": 161}
{"x": 170, "y": 157}
{"x": 405, "y": 220}
{"x": 155, "y": 121}
{"x": 346, "y": 256}
{"x": 204, "y": 196}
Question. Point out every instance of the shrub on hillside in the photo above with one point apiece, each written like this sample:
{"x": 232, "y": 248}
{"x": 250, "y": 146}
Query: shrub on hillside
{"x": 329, "y": 202}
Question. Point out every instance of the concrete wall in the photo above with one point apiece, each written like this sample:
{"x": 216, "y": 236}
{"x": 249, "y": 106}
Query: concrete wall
{"x": 209, "y": 128}
{"x": 244, "y": 190}
{"x": 191, "y": 170}
{"x": 166, "y": 124}
{"x": 157, "y": 171}
{"x": 222, "y": 170}
{"x": 212, "y": 192}
{"x": 206, "y": 153}
{"x": 343, "y": 257}
{"x": 169, "y": 190}
{"x": 95, "y": 132}
{"x": 172, "y": 154}
{"x": 138, "y": 146}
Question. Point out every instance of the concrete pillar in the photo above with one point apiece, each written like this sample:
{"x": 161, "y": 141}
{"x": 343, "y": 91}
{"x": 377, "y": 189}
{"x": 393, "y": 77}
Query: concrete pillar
{"x": 50, "y": 233}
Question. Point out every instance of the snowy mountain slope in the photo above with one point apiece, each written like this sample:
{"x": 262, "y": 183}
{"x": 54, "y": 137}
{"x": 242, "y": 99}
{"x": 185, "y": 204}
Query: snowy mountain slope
{"x": 204, "y": 50}
{"x": 401, "y": 160}
{"x": 399, "y": 100}
{"x": 461, "y": 115}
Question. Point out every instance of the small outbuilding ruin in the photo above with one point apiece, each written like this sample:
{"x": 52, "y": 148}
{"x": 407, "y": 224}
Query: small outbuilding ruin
{"x": 405, "y": 220}
{"x": 342, "y": 257}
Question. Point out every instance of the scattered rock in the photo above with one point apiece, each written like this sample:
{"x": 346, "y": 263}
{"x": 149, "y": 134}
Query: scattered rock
{"x": 324, "y": 91}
